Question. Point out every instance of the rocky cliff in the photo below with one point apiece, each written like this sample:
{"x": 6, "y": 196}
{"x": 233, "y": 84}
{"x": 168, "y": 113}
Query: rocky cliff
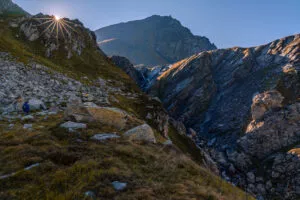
{"x": 242, "y": 102}
{"x": 152, "y": 41}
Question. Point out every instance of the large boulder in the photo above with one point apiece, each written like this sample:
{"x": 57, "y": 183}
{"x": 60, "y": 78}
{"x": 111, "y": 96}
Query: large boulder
{"x": 264, "y": 102}
{"x": 278, "y": 130}
{"x": 141, "y": 133}
{"x": 92, "y": 113}
{"x": 36, "y": 104}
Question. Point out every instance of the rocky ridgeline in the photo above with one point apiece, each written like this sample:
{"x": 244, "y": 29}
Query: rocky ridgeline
{"x": 240, "y": 105}
{"x": 69, "y": 37}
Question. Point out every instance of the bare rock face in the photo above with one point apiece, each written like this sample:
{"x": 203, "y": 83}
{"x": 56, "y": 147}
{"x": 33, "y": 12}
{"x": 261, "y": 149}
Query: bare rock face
{"x": 244, "y": 104}
{"x": 279, "y": 129}
{"x": 212, "y": 92}
{"x": 152, "y": 41}
{"x": 141, "y": 133}
{"x": 264, "y": 102}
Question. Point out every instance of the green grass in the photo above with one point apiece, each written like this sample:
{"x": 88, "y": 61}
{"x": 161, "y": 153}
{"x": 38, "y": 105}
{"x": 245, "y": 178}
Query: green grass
{"x": 186, "y": 145}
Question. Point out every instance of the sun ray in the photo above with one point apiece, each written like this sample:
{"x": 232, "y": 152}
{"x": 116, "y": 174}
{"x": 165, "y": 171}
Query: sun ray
{"x": 69, "y": 22}
{"x": 42, "y": 18}
{"x": 45, "y": 22}
{"x": 53, "y": 28}
{"x": 61, "y": 26}
{"x": 49, "y": 26}
{"x": 69, "y": 26}
{"x": 62, "y": 31}
{"x": 68, "y": 32}
{"x": 57, "y": 23}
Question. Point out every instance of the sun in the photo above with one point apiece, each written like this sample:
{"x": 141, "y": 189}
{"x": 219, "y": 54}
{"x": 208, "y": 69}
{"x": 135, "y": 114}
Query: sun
{"x": 62, "y": 26}
{"x": 56, "y": 17}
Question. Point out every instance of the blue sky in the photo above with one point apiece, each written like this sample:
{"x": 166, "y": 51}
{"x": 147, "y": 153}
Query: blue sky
{"x": 226, "y": 23}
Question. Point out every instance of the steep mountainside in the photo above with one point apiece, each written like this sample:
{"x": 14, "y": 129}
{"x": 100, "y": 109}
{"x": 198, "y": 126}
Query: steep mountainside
{"x": 242, "y": 102}
{"x": 151, "y": 41}
{"x": 8, "y": 7}
{"x": 90, "y": 133}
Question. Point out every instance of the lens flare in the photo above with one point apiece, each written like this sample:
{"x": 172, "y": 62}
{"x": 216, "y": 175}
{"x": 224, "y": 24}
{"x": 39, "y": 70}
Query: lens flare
{"x": 57, "y": 18}
{"x": 57, "y": 24}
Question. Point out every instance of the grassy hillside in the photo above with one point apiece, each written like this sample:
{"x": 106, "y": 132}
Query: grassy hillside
{"x": 71, "y": 165}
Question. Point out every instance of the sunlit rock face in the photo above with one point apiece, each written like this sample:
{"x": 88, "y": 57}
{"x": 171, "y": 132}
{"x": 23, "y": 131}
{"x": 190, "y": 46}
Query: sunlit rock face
{"x": 244, "y": 105}
{"x": 156, "y": 40}
{"x": 212, "y": 91}
{"x": 68, "y": 37}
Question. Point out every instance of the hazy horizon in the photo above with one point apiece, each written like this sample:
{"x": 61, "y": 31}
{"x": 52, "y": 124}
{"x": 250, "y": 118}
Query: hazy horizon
{"x": 226, "y": 24}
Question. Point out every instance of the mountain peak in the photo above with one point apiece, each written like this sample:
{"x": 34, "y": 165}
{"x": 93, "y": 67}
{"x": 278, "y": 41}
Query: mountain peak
{"x": 152, "y": 41}
{"x": 8, "y": 7}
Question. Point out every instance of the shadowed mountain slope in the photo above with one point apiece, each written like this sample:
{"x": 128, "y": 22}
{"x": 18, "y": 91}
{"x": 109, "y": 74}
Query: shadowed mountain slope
{"x": 151, "y": 41}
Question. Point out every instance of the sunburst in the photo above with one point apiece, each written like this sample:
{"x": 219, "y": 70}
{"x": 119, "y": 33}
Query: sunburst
{"x": 56, "y": 24}
{"x": 56, "y": 17}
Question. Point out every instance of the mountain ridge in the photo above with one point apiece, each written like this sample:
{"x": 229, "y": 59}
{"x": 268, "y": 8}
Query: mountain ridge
{"x": 162, "y": 39}
{"x": 232, "y": 98}
{"x": 8, "y": 7}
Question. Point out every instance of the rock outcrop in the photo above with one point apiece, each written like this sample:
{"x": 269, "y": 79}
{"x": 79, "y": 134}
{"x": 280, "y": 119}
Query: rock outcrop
{"x": 67, "y": 37}
{"x": 152, "y": 41}
{"x": 128, "y": 67}
{"x": 104, "y": 115}
{"x": 264, "y": 102}
{"x": 278, "y": 130}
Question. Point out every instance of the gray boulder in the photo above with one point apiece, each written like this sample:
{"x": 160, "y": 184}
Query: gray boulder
{"x": 119, "y": 185}
{"x": 104, "y": 136}
{"x": 73, "y": 125}
{"x": 27, "y": 126}
{"x": 141, "y": 133}
{"x": 264, "y": 102}
{"x": 36, "y": 104}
